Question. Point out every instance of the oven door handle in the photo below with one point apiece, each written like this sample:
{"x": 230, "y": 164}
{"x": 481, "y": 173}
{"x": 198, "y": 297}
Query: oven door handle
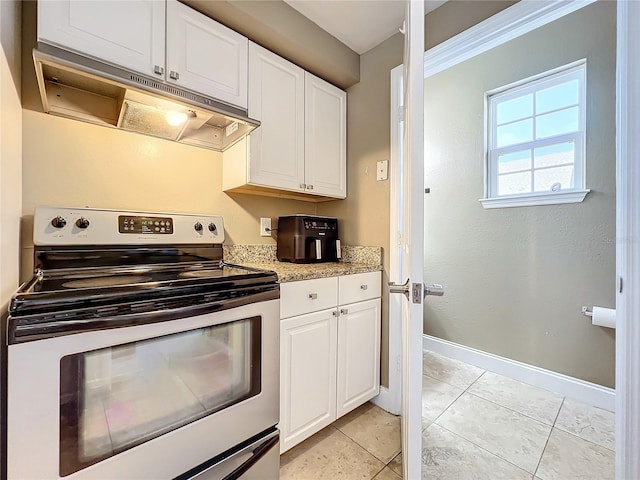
{"x": 259, "y": 452}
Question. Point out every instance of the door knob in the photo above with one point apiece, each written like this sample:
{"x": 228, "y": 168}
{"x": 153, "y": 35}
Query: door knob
{"x": 416, "y": 290}
{"x": 397, "y": 288}
{"x": 436, "y": 289}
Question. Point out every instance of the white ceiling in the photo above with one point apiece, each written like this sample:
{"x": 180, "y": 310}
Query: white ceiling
{"x": 359, "y": 24}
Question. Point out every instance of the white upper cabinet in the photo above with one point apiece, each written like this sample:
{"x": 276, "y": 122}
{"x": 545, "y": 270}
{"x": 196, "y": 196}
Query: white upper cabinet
{"x": 325, "y": 136}
{"x": 300, "y": 149}
{"x": 276, "y": 98}
{"x": 188, "y": 49}
{"x": 130, "y": 34}
{"x": 205, "y": 56}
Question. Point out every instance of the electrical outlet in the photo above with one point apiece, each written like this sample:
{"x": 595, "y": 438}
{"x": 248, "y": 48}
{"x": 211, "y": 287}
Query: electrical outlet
{"x": 265, "y": 227}
{"x": 381, "y": 170}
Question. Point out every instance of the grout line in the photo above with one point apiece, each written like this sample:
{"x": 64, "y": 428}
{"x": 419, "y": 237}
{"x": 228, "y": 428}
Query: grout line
{"x": 484, "y": 449}
{"x": 547, "y": 442}
{"x": 367, "y": 450}
{"x": 515, "y": 411}
{"x": 550, "y": 432}
{"x": 559, "y": 410}
{"x": 585, "y": 439}
{"x": 378, "y": 472}
{"x": 445, "y": 410}
{"x": 352, "y": 440}
{"x": 575, "y": 434}
{"x": 452, "y": 384}
{"x": 474, "y": 382}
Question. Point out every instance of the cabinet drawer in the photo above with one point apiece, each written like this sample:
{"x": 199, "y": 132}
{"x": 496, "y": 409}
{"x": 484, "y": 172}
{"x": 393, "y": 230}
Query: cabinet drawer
{"x": 308, "y": 296}
{"x": 359, "y": 287}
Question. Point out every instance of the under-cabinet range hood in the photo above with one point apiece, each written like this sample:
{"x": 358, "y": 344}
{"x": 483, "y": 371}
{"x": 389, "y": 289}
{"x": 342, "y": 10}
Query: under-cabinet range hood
{"x": 84, "y": 89}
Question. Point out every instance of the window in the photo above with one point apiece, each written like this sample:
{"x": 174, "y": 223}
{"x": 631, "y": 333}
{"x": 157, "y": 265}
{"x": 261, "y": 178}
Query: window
{"x": 535, "y": 140}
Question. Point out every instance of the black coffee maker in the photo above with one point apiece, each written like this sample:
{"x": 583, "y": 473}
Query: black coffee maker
{"x": 308, "y": 239}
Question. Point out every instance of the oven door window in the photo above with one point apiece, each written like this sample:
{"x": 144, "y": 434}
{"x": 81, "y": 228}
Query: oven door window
{"x": 116, "y": 398}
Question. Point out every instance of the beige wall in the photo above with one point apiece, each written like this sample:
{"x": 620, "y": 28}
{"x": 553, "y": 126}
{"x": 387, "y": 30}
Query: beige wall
{"x": 455, "y": 16}
{"x": 364, "y": 215}
{"x": 70, "y": 163}
{"x": 516, "y": 278}
{"x": 10, "y": 171}
{"x": 280, "y": 28}
{"x": 10, "y": 149}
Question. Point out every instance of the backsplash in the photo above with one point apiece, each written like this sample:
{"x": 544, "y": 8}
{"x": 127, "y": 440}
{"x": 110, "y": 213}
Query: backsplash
{"x": 267, "y": 253}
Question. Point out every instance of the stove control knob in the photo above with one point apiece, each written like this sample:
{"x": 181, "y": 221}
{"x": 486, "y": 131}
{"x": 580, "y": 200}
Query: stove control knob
{"x": 82, "y": 222}
{"x": 58, "y": 222}
{"x": 212, "y": 228}
{"x": 197, "y": 227}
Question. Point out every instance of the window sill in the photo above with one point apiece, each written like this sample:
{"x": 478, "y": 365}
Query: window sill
{"x": 533, "y": 199}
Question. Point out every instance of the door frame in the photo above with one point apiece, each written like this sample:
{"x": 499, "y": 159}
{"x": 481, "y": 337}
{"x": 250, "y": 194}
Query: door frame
{"x": 511, "y": 23}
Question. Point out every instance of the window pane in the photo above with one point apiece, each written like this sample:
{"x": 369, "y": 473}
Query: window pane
{"x": 514, "y": 183}
{"x": 557, "y": 123}
{"x": 557, "y": 97}
{"x": 514, "y": 133}
{"x": 514, "y": 162}
{"x": 558, "y": 154}
{"x": 545, "y": 179}
{"x": 515, "y": 109}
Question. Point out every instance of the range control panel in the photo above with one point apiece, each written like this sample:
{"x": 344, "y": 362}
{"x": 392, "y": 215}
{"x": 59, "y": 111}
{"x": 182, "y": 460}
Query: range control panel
{"x": 151, "y": 225}
{"x": 86, "y": 226}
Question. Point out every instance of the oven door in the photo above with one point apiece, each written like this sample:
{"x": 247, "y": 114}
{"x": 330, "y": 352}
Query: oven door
{"x": 141, "y": 402}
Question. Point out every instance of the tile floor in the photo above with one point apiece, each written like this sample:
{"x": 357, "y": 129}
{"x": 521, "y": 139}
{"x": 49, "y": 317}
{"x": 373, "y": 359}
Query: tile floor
{"x": 476, "y": 425}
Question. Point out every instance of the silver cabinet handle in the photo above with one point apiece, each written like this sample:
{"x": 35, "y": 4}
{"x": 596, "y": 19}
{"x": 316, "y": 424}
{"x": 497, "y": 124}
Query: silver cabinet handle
{"x": 303, "y": 186}
{"x": 158, "y": 70}
{"x": 174, "y": 75}
{"x": 313, "y": 296}
{"x": 364, "y": 287}
{"x": 309, "y": 187}
{"x": 344, "y": 311}
{"x": 334, "y": 313}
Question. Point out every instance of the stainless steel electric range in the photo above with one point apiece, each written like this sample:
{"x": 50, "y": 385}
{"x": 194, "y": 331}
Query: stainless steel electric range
{"x": 135, "y": 352}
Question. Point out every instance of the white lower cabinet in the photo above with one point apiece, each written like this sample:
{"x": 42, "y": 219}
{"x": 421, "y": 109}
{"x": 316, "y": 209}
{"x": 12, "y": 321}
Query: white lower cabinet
{"x": 358, "y": 368}
{"x": 308, "y": 345}
{"x": 329, "y": 358}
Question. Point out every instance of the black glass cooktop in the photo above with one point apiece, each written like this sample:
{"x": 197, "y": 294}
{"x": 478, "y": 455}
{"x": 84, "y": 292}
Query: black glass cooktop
{"x": 77, "y": 290}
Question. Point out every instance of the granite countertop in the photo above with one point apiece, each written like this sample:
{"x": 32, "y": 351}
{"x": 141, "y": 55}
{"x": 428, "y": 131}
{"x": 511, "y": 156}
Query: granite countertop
{"x": 291, "y": 272}
{"x": 355, "y": 259}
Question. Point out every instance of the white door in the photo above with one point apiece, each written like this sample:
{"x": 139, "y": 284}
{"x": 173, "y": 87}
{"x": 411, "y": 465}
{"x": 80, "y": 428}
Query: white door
{"x": 325, "y": 137}
{"x": 276, "y": 98}
{"x": 129, "y": 34}
{"x": 205, "y": 56}
{"x": 411, "y": 184}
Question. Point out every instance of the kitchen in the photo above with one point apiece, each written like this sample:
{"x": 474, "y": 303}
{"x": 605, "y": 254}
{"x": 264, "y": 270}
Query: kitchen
{"x": 124, "y": 171}
{"x": 67, "y": 163}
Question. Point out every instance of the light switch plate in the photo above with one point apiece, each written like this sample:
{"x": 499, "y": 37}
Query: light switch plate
{"x": 382, "y": 168}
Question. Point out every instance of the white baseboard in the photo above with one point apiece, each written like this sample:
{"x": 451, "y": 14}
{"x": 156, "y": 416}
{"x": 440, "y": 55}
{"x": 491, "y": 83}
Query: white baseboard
{"x": 585, "y": 392}
{"x": 386, "y": 401}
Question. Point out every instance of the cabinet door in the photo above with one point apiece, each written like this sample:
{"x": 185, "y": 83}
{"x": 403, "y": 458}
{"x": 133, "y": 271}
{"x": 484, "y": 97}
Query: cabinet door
{"x": 307, "y": 375}
{"x": 358, "y": 354}
{"x": 325, "y": 135}
{"x": 205, "y": 56}
{"x": 129, "y": 34}
{"x": 276, "y": 98}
